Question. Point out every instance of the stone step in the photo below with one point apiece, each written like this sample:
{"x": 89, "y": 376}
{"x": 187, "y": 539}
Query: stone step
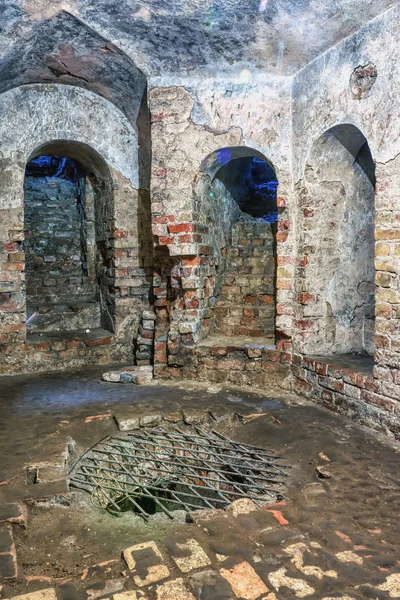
{"x": 70, "y": 339}
{"x": 70, "y": 316}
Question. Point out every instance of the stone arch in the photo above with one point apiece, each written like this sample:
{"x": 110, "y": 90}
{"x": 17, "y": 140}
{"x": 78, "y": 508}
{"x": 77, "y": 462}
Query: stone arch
{"x": 248, "y": 176}
{"x": 336, "y": 281}
{"x": 241, "y": 236}
{"x": 38, "y": 117}
{"x": 221, "y": 157}
{"x": 75, "y": 215}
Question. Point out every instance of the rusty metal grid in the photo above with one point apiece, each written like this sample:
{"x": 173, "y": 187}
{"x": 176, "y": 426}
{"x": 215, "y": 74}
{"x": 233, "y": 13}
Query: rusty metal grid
{"x": 172, "y": 470}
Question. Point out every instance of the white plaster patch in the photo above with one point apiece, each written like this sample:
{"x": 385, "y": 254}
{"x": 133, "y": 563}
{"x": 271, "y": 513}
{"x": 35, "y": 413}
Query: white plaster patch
{"x": 348, "y": 556}
{"x": 296, "y": 551}
{"x": 391, "y": 585}
{"x": 300, "y": 587}
{"x": 196, "y": 556}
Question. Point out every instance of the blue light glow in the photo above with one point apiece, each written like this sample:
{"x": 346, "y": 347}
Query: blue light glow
{"x": 224, "y": 156}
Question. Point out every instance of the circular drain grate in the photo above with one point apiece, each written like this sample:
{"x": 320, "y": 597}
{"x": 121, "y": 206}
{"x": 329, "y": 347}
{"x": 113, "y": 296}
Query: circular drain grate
{"x": 156, "y": 470}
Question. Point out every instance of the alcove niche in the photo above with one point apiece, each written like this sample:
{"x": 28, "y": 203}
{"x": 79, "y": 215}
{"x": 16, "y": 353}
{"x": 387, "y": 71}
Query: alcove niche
{"x": 68, "y": 214}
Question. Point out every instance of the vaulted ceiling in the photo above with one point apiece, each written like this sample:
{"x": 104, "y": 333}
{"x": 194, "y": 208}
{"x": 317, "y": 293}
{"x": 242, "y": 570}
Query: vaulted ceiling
{"x": 192, "y": 37}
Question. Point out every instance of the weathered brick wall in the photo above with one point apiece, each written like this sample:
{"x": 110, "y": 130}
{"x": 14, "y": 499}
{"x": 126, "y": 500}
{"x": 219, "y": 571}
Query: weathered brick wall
{"x": 387, "y": 264}
{"x": 182, "y": 269}
{"x": 217, "y": 212}
{"x": 187, "y": 221}
{"x": 235, "y": 363}
{"x": 107, "y": 147}
{"x": 362, "y": 397}
{"x": 56, "y": 267}
{"x": 245, "y": 304}
{"x": 322, "y": 98}
{"x": 335, "y": 287}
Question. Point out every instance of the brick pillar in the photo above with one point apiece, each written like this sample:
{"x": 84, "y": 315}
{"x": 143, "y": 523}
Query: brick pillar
{"x": 387, "y": 264}
{"x": 284, "y": 276}
{"x": 12, "y": 279}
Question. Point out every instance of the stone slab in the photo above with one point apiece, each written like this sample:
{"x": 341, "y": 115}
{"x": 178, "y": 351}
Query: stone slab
{"x": 189, "y": 555}
{"x": 150, "y": 561}
{"x": 174, "y": 590}
{"x": 47, "y": 594}
{"x": 13, "y": 512}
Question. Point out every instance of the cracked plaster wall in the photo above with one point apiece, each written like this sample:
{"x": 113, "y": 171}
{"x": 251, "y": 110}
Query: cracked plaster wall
{"x": 107, "y": 144}
{"x": 322, "y": 99}
{"x": 188, "y": 124}
{"x": 336, "y": 232}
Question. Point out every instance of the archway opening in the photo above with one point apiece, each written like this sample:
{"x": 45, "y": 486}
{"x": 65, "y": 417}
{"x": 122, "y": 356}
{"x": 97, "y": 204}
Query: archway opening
{"x": 338, "y": 233}
{"x": 240, "y": 201}
{"x": 68, "y": 212}
{"x": 252, "y": 183}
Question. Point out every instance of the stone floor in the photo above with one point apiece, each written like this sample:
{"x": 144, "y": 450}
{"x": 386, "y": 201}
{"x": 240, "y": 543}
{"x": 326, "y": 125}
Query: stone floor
{"x": 335, "y": 535}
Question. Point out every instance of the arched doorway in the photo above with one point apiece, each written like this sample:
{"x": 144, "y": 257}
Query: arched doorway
{"x": 68, "y": 210}
{"x": 337, "y": 285}
{"x": 239, "y": 206}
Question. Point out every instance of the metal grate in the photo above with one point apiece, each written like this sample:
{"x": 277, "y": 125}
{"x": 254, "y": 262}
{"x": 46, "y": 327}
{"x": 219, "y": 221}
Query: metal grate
{"x": 161, "y": 471}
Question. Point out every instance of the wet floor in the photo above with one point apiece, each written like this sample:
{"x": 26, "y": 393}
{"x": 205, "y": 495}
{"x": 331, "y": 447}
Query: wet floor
{"x": 341, "y": 501}
{"x": 38, "y": 414}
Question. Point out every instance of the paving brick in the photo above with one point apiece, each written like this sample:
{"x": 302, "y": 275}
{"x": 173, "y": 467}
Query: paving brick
{"x": 47, "y": 594}
{"x": 6, "y": 539}
{"x": 242, "y": 506}
{"x": 8, "y": 567}
{"x": 104, "y": 588}
{"x": 146, "y": 563}
{"x": 188, "y": 555}
{"x": 245, "y": 582}
{"x": 132, "y": 595}
{"x": 13, "y": 512}
{"x": 209, "y": 585}
{"x": 279, "y": 580}
{"x": 174, "y": 590}
{"x": 8, "y": 555}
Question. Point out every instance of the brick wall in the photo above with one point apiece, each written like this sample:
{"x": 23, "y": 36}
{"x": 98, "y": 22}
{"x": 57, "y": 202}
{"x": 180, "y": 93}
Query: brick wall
{"x": 335, "y": 283}
{"x": 184, "y": 262}
{"x": 245, "y": 305}
{"x": 387, "y": 264}
{"x": 56, "y": 242}
{"x": 362, "y": 397}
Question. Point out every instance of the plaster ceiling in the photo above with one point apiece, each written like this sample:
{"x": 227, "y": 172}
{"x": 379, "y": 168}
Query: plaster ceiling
{"x": 192, "y": 37}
